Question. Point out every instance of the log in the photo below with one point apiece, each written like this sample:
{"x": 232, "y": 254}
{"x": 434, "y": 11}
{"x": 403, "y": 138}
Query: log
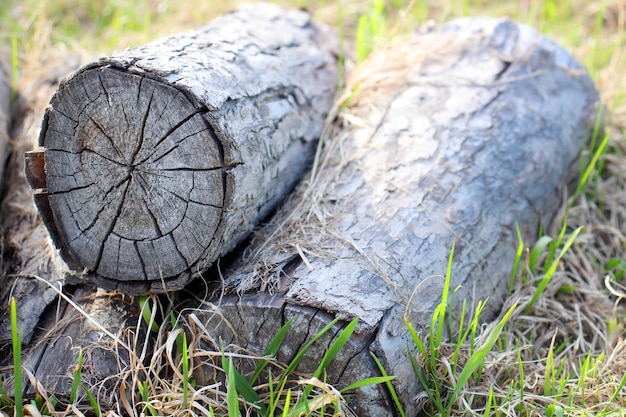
{"x": 457, "y": 135}
{"x": 34, "y": 267}
{"x": 161, "y": 159}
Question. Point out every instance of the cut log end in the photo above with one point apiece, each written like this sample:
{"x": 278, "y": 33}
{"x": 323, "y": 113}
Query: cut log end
{"x": 134, "y": 176}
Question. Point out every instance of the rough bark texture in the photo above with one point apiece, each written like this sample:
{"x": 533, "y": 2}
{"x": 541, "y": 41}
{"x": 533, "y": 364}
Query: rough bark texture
{"x": 65, "y": 331}
{"x": 161, "y": 159}
{"x": 458, "y": 135}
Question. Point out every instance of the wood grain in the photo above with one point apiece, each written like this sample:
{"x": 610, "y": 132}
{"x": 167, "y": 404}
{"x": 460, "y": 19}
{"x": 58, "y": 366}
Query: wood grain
{"x": 161, "y": 159}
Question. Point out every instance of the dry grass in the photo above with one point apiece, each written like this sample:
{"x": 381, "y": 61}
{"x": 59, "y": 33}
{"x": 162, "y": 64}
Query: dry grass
{"x": 579, "y": 322}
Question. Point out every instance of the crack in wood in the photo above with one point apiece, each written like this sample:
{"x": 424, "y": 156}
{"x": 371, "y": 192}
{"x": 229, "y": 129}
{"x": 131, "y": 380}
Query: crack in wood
{"x": 114, "y": 220}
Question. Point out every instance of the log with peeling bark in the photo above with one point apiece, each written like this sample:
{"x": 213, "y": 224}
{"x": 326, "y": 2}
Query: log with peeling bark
{"x": 458, "y": 135}
{"x": 161, "y": 159}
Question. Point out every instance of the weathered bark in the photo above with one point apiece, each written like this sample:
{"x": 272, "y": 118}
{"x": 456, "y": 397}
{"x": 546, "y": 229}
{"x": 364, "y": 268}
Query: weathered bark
{"x": 161, "y": 159}
{"x": 105, "y": 339}
{"x": 5, "y": 117}
{"x": 458, "y": 135}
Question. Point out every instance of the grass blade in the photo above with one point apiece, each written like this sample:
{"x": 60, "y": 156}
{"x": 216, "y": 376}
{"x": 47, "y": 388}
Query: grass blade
{"x": 479, "y": 357}
{"x": 16, "y": 338}
{"x": 231, "y": 391}
{"x": 490, "y": 401}
{"x": 550, "y": 273}
{"x": 416, "y": 339}
{"x": 368, "y": 381}
{"x": 148, "y": 313}
{"x": 93, "y": 402}
{"x": 518, "y": 257}
{"x": 76, "y": 377}
{"x": 548, "y": 386}
{"x": 444, "y": 298}
{"x": 390, "y": 387}
{"x": 271, "y": 350}
{"x": 242, "y": 386}
{"x": 538, "y": 248}
{"x": 287, "y": 404}
{"x": 522, "y": 379}
{"x": 590, "y": 167}
{"x": 185, "y": 370}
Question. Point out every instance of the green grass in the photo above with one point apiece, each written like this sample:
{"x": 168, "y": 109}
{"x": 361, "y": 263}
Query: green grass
{"x": 565, "y": 387}
{"x": 16, "y": 336}
{"x": 443, "y": 397}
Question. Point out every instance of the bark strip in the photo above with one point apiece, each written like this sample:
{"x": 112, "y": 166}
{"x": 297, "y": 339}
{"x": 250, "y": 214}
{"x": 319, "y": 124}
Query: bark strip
{"x": 161, "y": 159}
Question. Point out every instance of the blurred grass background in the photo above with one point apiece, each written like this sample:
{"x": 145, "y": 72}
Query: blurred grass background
{"x": 592, "y": 30}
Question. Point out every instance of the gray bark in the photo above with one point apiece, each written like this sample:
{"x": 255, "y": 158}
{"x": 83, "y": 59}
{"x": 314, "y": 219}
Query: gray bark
{"x": 460, "y": 134}
{"x": 162, "y": 158}
{"x": 65, "y": 331}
